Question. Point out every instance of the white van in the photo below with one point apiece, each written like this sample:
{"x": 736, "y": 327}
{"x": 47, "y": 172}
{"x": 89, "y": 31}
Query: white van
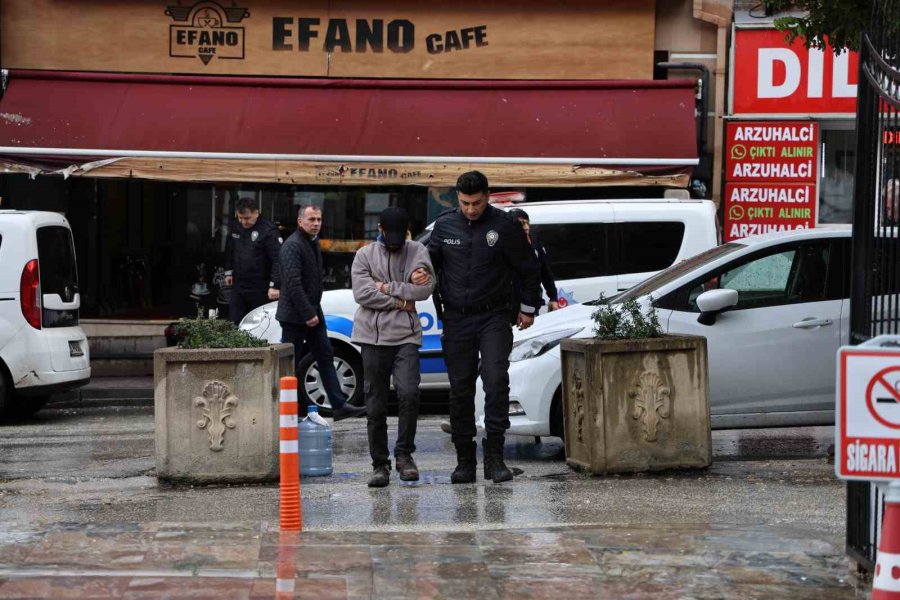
{"x": 595, "y": 247}
{"x": 43, "y": 351}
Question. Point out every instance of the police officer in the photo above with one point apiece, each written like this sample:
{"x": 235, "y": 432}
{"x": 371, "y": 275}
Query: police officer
{"x": 251, "y": 260}
{"x": 476, "y": 251}
{"x": 543, "y": 258}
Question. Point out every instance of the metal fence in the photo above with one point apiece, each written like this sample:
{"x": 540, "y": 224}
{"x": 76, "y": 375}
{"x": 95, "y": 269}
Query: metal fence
{"x": 875, "y": 279}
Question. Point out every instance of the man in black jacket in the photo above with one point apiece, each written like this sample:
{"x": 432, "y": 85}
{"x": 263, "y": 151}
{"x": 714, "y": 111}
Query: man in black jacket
{"x": 299, "y": 311}
{"x": 476, "y": 251}
{"x": 251, "y": 260}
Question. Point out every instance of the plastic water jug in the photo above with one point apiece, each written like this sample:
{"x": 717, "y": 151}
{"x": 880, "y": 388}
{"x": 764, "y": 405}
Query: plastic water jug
{"x": 315, "y": 444}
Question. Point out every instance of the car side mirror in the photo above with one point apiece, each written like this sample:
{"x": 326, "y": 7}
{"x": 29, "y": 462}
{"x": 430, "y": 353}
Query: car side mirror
{"x": 713, "y": 302}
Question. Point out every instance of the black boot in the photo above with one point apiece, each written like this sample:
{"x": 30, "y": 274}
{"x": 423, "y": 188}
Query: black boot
{"x": 381, "y": 476}
{"x": 494, "y": 467}
{"x": 465, "y": 463}
{"x": 488, "y": 460}
{"x": 407, "y": 468}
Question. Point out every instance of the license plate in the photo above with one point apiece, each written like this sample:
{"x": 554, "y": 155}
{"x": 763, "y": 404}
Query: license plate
{"x": 75, "y": 349}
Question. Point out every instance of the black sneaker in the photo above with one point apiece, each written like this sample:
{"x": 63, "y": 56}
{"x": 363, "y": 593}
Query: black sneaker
{"x": 407, "y": 468}
{"x": 381, "y": 476}
{"x": 347, "y": 411}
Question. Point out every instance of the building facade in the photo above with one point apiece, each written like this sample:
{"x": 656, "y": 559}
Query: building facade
{"x": 790, "y": 151}
{"x": 144, "y": 122}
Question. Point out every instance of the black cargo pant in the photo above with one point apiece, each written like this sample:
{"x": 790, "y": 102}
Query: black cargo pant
{"x": 243, "y": 300}
{"x": 465, "y": 337}
{"x": 379, "y": 362}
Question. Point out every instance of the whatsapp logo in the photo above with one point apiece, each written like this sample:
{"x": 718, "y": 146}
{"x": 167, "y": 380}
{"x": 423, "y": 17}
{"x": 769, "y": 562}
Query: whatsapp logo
{"x": 736, "y": 213}
{"x": 738, "y": 152}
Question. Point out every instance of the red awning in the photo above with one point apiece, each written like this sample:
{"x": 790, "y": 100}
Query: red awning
{"x": 651, "y": 121}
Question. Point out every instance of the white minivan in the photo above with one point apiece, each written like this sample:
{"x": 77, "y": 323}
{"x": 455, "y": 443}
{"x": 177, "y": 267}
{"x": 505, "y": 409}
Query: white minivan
{"x": 43, "y": 351}
{"x": 595, "y": 247}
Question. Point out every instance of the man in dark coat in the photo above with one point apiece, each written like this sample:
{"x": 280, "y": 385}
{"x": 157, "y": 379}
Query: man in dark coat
{"x": 299, "y": 310}
{"x": 251, "y": 260}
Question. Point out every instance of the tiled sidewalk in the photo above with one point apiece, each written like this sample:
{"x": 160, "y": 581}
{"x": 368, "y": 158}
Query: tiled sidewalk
{"x": 172, "y": 560}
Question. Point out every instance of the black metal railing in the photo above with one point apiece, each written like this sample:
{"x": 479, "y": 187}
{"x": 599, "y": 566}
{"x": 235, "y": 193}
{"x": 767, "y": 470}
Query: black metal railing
{"x": 875, "y": 275}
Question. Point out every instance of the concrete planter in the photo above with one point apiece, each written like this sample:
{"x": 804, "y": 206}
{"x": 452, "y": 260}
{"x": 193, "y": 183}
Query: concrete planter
{"x": 636, "y": 405}
{"x": 217, "y": 413}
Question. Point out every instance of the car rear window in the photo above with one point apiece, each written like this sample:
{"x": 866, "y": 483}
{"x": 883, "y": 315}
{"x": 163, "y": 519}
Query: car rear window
{"x": 56, "y": 256}
{"x": 577, "y": 250}
{"x": 59, "y": 274}
{"x": 580, "y": 250}
{"x": 645, "y": 247}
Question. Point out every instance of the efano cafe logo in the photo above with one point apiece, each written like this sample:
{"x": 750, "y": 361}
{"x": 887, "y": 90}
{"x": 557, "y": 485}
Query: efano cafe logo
{"x": 205, "y": 30}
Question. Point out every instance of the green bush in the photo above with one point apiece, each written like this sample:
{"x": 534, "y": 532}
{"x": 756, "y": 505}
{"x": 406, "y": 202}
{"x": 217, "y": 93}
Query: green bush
{"x": 200, "y": 332}
{"x": 625, "y": 321}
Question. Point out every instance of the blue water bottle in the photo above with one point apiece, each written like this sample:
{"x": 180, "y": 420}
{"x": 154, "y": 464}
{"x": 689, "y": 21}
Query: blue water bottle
{"x": 315, "y": 444}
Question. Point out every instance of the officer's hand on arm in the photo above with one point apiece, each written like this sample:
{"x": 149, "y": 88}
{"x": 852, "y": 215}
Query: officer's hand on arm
{"x": 313, "y": 322}
{"x": 229, "y": 280}
{"x": 525, "y": 321}
{"x": 405, "y": 305}
{"x": 420, "y": 277}
{"x": 274, "y": 294}
{"x": 554, "y": 305}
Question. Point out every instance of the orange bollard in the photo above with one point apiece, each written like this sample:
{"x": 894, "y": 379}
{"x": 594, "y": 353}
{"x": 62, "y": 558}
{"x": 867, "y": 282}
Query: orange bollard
{"x": 291, "y": 513}
{"x": 886, "y": 584}
{"x": 285, "y": 569}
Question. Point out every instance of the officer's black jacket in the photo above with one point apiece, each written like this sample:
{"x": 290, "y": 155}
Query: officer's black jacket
{"x": 253, "y": 259}
{"x": 475, "y": 261}
{"x": 547, "y": 279}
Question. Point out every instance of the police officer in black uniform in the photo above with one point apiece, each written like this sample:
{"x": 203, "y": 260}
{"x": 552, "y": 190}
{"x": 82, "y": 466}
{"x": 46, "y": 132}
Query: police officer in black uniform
{"x": 251, "y": 260}
{"x": 476, "y": 251}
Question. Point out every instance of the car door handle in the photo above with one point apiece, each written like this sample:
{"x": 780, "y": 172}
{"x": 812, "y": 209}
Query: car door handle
{"x": 811, "y": 322}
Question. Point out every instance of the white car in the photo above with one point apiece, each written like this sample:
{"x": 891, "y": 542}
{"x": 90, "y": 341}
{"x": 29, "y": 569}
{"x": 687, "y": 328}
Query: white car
{"x": 43, "y": 351}
{"x": 774, "y": 309}
{"x": 595, "y": 247}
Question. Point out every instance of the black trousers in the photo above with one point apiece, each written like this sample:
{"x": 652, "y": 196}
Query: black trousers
{"x": 464, "y": 338}
{"x": 243, "y": 300}
{"x": 315, "y": 340}
{"x": 379, "y": 362}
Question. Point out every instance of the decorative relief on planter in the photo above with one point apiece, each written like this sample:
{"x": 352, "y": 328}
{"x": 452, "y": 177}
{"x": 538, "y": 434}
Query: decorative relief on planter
{"x": 216, "y": 403}
{"x": 651, "y": 400}
{"x": 578, "y": 392}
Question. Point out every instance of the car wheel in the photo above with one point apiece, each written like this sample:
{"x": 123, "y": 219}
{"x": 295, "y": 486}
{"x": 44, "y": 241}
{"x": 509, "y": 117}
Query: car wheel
{"x": 556, "y": 416}
{"x": 348, "y": 366}
{"x": 26, "y": 407}
{"x": 5, "y": 396}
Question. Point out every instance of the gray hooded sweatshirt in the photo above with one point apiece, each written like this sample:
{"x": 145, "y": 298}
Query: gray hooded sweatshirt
{"x": 378, "y": 321}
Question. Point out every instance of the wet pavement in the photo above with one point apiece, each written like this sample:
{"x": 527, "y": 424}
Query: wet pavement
{"x": 81, "y": 515}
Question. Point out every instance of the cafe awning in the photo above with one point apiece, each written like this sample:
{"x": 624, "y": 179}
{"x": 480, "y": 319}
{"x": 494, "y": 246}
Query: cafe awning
{"x": 348, "y": 131}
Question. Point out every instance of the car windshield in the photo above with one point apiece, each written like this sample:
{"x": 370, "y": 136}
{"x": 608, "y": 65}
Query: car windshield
{"x": 666, "y": 276}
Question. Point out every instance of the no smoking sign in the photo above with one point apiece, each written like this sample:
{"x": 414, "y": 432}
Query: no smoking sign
{"x": 867, "y": 411}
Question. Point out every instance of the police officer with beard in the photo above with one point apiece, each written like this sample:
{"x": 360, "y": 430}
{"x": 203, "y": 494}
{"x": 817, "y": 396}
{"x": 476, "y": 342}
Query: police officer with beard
{"x": 251, "y": 260}
{"x": 477, "y": 250}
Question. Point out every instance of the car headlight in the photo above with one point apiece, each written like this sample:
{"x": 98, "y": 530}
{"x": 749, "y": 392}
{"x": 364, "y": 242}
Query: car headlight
{"x": 254, "y": 319}
{"x": 537, "y": 345}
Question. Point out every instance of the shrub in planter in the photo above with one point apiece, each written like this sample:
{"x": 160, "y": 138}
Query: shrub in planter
{"x": 213, "y": 333}
{"x": 217, "y": 404}
{"x": 634, "y": 398}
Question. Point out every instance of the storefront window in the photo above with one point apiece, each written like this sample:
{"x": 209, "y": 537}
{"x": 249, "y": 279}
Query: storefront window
{"x": 836, "y": 172}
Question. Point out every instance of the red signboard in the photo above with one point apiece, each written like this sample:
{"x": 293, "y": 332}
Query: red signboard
{"x": 771, "y": 176}
{"x": 754, "y": 208}
{"x": 774, "y": 77}
{"x": 867, "y": 412}
{"x": 773, "y": 151}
